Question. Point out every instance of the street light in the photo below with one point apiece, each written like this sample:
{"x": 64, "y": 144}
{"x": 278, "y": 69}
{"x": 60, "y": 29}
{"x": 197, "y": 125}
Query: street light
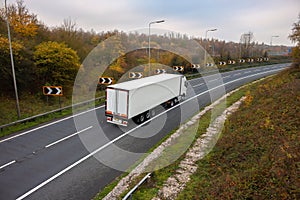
{"x": 149, "y": 52}
{"x": 206, "y": 42}
{"x": 12, "y": 64}
{"x": 273, "y": 36}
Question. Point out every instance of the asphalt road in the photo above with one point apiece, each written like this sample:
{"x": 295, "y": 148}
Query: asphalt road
{"x": 77, "y": 156}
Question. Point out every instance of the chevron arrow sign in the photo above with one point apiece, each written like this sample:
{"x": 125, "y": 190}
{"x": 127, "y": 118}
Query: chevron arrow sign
{"x": 231, "y": 62}
{"x": 196, "y": 66}
{"x": 106, "y": 80}
{"x": 53, "y": 90}
{"x": 160, "y": 71}
{"x": 209, "y": 64}
{"x": 136, "y": 74}
{"x": 178, "y": 68}
{"x": 222, "y": 63}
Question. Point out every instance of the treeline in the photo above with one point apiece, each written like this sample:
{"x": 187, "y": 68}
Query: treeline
{"x": 52, "y": 56}
{"x": 42, "y": 55}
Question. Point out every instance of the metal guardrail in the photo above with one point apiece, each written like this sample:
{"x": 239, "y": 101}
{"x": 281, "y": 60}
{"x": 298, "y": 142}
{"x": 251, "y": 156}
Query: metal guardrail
{"x": 129, "y": 194}
{"x": 78, "y": 104}
{"x": 47, "y": 113}
{"x": 52, "y": 111}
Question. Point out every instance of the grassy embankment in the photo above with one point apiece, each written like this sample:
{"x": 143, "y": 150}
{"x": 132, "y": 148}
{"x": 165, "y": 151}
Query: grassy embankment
{"x": 31, "y": 105}
{"x": 257, "y": 156}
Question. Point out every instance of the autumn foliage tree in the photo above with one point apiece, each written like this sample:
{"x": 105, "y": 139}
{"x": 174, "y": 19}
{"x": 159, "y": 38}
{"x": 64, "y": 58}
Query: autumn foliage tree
{"x": 295, "y": 37}
{"x": 56, "y": 64}
{"x": 21, "y": 20}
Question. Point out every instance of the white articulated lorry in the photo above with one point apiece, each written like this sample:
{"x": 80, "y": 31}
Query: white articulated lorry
{"x": 137, "y": 99}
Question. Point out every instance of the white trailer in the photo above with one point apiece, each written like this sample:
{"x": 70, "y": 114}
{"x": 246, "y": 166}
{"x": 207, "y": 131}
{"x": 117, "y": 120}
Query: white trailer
{"x": 137, "y": 99}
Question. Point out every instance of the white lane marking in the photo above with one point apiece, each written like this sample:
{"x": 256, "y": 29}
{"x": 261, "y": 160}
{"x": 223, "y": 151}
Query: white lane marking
{"x": 195, "y": 79}
{"x": 40, "y": 127}
{"x": 7, "y": 139}
{"x": 121, "y": 136}
{"x": 236, "y": 74}
{"x": 65, "y": 138}
{"x": 226, "y": 76}
{"x": 213, "y": 80}
{"x": 247, "y": 72}
{"x": 7, "y": 164}
{"x": 198, "y": 85}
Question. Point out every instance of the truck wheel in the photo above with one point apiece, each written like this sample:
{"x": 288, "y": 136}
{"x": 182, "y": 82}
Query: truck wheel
{"x": 152, "y": 112}
{"x": 183, "y": 97}
{"x": 147, "y": 115}
{"x": 141, "y": 118}
{"x": 176, "y": 101}
{"x": 172, "y": 103}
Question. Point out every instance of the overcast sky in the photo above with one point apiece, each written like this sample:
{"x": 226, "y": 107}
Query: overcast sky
{"x": 232, "y": 18}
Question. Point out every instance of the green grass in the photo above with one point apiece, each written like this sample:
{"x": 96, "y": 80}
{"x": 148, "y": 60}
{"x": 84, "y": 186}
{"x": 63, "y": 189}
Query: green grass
{"x": 33, "y": 105}
{"x": 258, "y": 155}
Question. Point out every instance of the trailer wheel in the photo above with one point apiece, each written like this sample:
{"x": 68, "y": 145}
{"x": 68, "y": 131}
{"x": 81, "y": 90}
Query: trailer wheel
{"x": 141, "y": 118}
{"x": 153, "y": 113}
{"x": 176, "y": 101}
{"x": 172, "y": 103}
{"x": 147, "y": 115}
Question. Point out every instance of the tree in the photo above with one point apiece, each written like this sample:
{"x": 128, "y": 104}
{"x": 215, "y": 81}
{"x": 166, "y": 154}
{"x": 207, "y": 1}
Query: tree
{"x": 56, "y": 63}
{"x": 5, "y": 69}
{"x": 295, "y": 37}
{"x": 22, "y": 22}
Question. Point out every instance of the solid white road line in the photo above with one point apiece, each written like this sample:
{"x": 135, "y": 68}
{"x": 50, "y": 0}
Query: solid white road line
{"x": 123, "y": 135}
{"x": 65, "y": 138}
{"x": 7, "y": 139}
{"x": 198, "y": 85}
{"x": 7, "y": 164}
{"x": 40, "y": 127}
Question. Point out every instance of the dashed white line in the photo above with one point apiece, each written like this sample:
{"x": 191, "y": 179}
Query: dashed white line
{"x": 40, "y": 127}
{"x": 124, "y": 134}
{"x": 198, "y": 85}
{"x": 226, "y": 76}
{"x": 65, "y": 138}
{"x": 7, "y": 164}
{"x": 213, "y": 80}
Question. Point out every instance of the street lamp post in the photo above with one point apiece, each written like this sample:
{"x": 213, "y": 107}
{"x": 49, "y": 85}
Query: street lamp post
{"x": 273, "y": 36}
{"x": 12, "y": 64}
{"x": 205, "y": 44}
{"x": 149, "y": 51}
